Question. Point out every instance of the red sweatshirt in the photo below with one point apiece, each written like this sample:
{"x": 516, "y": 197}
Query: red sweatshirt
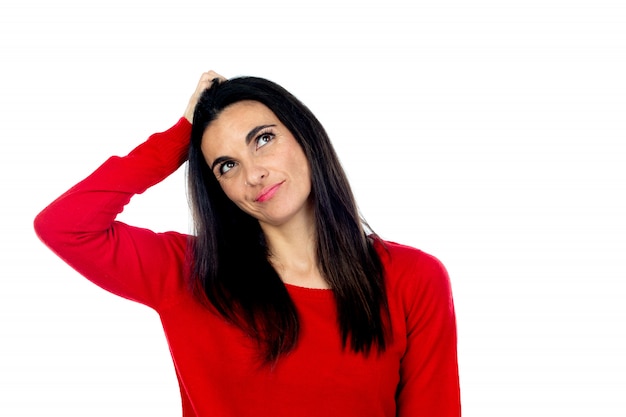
{"x": 216, "y": 364}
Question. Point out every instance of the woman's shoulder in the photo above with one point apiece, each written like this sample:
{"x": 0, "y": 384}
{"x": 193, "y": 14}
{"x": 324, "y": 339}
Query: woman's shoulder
{"x": 407, "y": 266}
{"x": 399, "y": 255}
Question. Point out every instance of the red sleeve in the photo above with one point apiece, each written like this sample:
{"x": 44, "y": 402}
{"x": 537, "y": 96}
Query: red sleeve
{"x": 429, "y": 379}
{"x": 80, "y": 225}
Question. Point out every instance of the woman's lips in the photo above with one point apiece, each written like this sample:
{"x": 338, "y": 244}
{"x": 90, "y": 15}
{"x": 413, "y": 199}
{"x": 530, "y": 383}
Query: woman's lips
{"x": 268, "y": 192}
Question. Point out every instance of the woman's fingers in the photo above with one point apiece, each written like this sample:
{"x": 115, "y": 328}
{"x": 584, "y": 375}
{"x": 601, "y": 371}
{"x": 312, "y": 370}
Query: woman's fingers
{"x": 206, "y": 81}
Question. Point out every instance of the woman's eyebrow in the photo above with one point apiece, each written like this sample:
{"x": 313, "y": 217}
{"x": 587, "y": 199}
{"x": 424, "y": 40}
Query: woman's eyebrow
{"x": 251, "y": 134}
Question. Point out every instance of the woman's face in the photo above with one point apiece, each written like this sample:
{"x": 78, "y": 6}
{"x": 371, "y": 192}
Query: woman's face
{"x": 259, "y": 164}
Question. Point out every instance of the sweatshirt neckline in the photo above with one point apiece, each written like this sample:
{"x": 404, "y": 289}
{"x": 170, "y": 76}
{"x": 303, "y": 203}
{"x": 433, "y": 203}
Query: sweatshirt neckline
{"x": 309, "y": 292}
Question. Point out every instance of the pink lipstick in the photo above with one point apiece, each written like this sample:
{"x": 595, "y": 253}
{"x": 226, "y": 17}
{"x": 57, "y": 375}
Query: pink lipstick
{"x": 268, "y": 192}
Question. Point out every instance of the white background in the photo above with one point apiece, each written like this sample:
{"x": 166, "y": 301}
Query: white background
{"x": 491, "y": 134}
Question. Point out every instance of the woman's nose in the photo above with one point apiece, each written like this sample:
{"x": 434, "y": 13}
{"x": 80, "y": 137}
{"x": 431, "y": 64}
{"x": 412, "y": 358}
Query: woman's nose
{"x": 255, "y": 174}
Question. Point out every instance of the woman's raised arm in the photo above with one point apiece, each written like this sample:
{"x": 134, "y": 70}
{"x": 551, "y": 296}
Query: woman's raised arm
{"x": 81, "y": 228}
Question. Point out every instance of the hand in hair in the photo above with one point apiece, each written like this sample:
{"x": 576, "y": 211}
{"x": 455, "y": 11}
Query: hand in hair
{"x": 206, "y": 80}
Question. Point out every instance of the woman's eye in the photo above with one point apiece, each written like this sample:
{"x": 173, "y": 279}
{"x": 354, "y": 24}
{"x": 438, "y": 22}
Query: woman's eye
{"x": 264, "y": 139}
{"x": 226, "y": 166}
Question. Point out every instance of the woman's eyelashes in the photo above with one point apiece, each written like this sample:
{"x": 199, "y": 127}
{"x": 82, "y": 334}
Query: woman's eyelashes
{"x": 225, "y": 166}
{"x": 261, "y": 140}
{"x": 264, "y": 138}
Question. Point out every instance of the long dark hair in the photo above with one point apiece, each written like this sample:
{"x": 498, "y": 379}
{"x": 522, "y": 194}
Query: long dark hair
{"x": 229, "y": 255}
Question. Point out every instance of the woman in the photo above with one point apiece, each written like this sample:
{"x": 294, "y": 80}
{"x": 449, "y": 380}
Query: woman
{"x": 281, "y": 304}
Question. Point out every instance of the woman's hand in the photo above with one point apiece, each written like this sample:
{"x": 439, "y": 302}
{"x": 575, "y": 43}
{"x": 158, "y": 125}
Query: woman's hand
{"x": 206, "y": 80}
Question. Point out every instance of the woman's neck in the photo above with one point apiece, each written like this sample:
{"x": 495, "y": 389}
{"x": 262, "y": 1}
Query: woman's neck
{"x": 293, "y": 253}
